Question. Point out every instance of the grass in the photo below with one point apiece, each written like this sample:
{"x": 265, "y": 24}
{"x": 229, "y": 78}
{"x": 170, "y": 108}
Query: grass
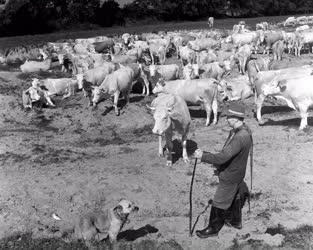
{"x": 9, "y": 42}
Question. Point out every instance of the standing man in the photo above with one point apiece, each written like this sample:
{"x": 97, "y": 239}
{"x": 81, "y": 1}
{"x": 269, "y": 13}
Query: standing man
{"x": 230, "y": 164}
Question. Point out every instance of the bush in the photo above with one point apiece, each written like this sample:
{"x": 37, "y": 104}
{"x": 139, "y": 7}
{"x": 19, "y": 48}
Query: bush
{"x": 109, "y": 14}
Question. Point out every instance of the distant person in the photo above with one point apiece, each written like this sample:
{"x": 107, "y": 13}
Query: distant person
{"x": 230, "y": 164}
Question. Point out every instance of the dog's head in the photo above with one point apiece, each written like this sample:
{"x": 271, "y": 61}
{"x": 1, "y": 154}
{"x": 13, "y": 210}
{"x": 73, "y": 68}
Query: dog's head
{"x": 125, "y": 207}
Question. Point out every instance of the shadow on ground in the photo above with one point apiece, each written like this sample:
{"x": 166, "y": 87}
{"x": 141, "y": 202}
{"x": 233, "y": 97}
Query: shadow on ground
{"x": 25, "y": 241}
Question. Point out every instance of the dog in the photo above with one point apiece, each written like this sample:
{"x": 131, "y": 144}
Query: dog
{"x": 108, "y": 223}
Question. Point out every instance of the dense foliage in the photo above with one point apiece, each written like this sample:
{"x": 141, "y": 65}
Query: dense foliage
{"x": 39, "y": 16}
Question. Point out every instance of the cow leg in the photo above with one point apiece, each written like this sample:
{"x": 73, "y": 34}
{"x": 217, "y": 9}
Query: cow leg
{"x": 214, "y": 108}
{"x": 160, "y": 146}
{"x": 304, "y": 116}
{"x": 259, "y": 102}
{"x": 146, "y": 85}
{"x": 152, "y": 58}
{"x": 184, "y": 145}
{"x": 208, "y": 109}
{"x": 169, "y": 147}
{"x": 116, "y": 96}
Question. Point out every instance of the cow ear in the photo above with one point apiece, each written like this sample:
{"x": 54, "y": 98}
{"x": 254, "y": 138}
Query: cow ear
{"x": 282, "y": 85}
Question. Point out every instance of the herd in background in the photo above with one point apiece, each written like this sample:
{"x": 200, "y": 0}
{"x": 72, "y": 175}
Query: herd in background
{"x": 203, "y": 70}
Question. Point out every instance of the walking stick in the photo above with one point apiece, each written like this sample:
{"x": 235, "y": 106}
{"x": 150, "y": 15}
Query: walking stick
{"x": 190, "y": 199}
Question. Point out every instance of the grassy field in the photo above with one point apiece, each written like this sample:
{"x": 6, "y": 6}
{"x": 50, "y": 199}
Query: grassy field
{"x": 9, "y": 42}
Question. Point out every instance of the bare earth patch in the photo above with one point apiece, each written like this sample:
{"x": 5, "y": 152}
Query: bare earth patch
{"x": 72, "y": 159}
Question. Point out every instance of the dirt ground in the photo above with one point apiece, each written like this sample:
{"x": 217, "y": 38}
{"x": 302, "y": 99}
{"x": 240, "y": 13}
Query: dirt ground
{"x": 72, "y": 159}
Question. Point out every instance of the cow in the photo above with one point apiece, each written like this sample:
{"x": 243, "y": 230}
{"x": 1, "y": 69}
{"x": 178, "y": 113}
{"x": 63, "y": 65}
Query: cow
{"x": 61, "y": 86}
{"x": 107, "y": 45}
{"x": 215, "y": 70}
{"x": 270, "y": 37}
{"x": 298, "y": 92}
{"x": 242, "y": 56}
{"x": 171, "y": 114}
{"x": 290, "y": 41}
{"x": 191, "y": 71}
{"x": 205, "y": 57}
{"x": 211, "y": 22}
{"x": 139, "y": 74}
{"x": 34, "y": 66}
{"x": 95, "y": 77}
{"x": 239, "y": 39}
{"x": 124, "y": 59}
{"x": 264, "y": 79}
{"x": 187, "y": 55}
{"x": 303, "y": 38}
{"x": 120, "y": 81}
{"x": 167, "y": 72}
{"x": 203, "y": 44}
{"x": 303, "y": 27}
{"x": 290, "y": 21}
{"x": 278, "y": 49}
{"x": 158, "y": 50}
{"x": 254, "y": 66}
{"x": 198, "y": 91}
{"x": 235, "y": 89}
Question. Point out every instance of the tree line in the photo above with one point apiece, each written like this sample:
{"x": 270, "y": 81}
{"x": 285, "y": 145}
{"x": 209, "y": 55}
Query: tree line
{"x": 21, "y": 17}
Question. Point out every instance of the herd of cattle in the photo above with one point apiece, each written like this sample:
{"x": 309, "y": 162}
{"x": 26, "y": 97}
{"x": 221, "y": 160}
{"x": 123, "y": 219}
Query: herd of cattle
{"x": 204, "y": 60}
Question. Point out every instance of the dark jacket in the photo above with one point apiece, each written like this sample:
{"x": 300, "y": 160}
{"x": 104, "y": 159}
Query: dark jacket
{"x": 231, "y": 162}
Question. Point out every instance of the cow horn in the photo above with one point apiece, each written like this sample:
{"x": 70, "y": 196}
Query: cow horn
{"x": 149, "y": 107}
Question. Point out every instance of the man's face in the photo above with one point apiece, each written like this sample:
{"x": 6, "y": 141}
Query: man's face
{"x": 231, "y": 121}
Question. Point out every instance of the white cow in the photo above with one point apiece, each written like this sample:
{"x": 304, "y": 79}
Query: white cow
{"x": 264, "y": 79}
{"x": 120, "y": 81}
{"x": 298, "y": 92}
{"x": 171, "y": 114}
{"x": 198, "y": 91}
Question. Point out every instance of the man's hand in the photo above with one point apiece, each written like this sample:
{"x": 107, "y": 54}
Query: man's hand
{"x": 197, "y": 154}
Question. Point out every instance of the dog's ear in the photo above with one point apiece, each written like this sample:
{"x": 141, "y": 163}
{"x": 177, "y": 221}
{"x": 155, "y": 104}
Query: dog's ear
{"x": 118, "y": 208}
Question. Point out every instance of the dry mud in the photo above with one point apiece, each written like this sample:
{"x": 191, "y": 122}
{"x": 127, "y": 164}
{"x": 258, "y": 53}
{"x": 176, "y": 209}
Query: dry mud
{"x": 72, "y": 159}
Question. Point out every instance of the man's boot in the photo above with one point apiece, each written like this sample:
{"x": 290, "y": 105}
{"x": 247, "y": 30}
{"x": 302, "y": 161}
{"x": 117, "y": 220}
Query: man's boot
{"x": 234, "y": 216}
{"x": 216, "y": 222}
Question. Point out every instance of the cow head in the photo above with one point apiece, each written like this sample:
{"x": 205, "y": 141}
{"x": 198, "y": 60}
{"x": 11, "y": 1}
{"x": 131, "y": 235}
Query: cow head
{"x": 225, "y": 91}
{"x": 97, "y": 95}
{"x": 162, "y": 117}
{"x": 159, "y": 87}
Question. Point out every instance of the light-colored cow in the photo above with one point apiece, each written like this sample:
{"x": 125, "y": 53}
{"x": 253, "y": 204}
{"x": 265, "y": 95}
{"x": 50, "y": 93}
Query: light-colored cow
{"x": 264, "y": 79}
{"x": 278, "y": 50}
{"x": 94, "y": 77}
{"x": 298, "y": 92}
{"x": 235, "y": 89}
{"x": 120, "y": 81}
{"x": 61, "y": 86}
{"x": 215, "y": 70}
{"x": 167, "y": 72}
{"x": 211, "y": 22}
{"x": 171, "y": 114}
{"x": 198, "y": 91}
{"x": 34, "y": 66}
